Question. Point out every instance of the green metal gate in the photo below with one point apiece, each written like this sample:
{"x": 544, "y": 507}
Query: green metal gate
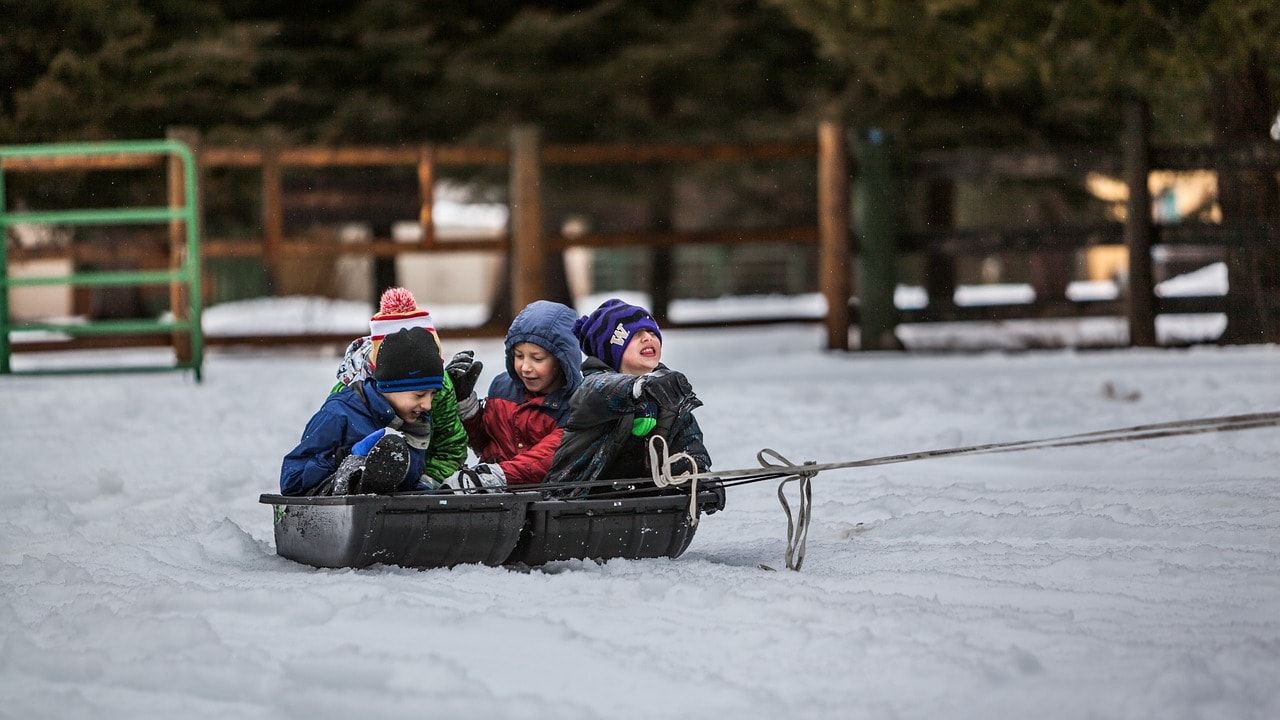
{"x": 186, "y": 274}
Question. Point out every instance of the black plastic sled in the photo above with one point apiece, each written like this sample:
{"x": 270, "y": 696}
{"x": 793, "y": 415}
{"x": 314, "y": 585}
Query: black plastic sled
{"x": 428, "y": 530}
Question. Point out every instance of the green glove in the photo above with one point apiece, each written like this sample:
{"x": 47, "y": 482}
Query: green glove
{"x": 642, "y": 426}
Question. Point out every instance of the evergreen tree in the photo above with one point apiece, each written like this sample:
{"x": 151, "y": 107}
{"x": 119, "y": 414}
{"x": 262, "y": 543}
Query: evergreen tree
{"x": 391, "y": 71}
{"x": 1041, "y": 69}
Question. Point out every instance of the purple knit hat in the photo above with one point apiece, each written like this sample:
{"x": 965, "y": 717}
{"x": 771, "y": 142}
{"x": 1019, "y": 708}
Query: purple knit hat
{"x": 606, "y": 332}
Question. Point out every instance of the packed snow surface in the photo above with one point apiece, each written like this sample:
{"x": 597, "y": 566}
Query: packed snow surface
{"x": 138, "y": 576}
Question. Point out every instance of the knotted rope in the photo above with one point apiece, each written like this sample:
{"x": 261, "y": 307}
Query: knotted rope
{"x": 771, "y": 461}
{"x": 797, "y": 532}
{"x": 660, "y": 461}
{"x": 773, "y": 465}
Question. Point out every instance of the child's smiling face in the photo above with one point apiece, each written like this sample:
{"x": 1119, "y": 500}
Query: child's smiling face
{"x": 537, "y": 368}
{"x": 410, "y": 404}
{"x": 642, "y": 355}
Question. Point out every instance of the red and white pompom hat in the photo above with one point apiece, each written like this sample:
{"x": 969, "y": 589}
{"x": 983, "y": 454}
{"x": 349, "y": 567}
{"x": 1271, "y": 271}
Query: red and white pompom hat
{"x": 397, "y": 310}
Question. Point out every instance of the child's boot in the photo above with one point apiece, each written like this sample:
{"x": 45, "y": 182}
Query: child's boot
{"x": 386, "y": 465}
{"x": 346, "y": 479}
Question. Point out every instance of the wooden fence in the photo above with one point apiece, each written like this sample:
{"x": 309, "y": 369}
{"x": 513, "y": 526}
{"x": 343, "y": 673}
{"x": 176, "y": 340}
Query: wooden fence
{"x": 528, "y": 249}
{"x": 940, "y": 244}
{"x": 878, "y": 243}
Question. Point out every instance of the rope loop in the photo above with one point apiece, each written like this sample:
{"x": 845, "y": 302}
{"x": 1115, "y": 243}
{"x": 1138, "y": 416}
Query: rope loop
{"x": 797, "y": 529}
{"x": 773, "y": 465}
{"x": 782, "y": 463}
{"x": 660, "y": 461}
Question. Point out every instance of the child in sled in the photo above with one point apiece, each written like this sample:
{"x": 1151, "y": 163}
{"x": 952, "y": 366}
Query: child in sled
{"x": 627, "y": 396}
{"x": 372, "y": 435}
{"x": 516, "y": 429}
{"x": 397, "y": 309}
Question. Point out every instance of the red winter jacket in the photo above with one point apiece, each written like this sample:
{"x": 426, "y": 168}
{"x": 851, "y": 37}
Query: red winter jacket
{"x": 518, "y": 430}
{"x": 521, "y": 437}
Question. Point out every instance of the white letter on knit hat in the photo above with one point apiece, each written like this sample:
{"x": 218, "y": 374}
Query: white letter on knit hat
{"x": 619, "y": 335}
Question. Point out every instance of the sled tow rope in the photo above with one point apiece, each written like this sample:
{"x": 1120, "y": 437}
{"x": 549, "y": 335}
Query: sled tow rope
{"x": 773, "y": 465}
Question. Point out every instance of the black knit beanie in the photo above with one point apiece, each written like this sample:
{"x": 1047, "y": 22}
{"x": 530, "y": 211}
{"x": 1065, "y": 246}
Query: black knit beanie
{"x": 409, "y": 360}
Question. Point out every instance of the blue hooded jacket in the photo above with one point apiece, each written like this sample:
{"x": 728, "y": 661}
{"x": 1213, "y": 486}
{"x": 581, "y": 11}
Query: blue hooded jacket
{"x": 548, "y": 325}
{"x": 345, "y": 418}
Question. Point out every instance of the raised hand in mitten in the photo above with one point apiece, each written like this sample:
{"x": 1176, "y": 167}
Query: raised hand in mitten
{"x": 464, "y": 370}
{"x": 671, "y": 391}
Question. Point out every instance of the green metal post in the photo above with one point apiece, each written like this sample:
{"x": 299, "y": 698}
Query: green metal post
{"x": 5, "y": 369}
{"x": 195, "y": 294}
{"x": 877, "y": 259}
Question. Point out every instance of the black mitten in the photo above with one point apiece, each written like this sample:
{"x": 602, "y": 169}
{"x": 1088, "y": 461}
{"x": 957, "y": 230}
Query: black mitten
{"x": 682, "y": 466}
{"x": 671, "y": 391}
{"x": 717, "y": 489}
{"x": 463, "y": 370}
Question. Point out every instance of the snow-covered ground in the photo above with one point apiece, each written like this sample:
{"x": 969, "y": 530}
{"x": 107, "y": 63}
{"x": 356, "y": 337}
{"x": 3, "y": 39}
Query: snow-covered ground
{"x": 138, "y": 576}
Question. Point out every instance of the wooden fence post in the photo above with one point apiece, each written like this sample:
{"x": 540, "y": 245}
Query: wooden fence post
{"x": 426, "y": 194}
{"x": 661, "y": 258}
{"x": 833, "y": 230}
{"x": 877, "y": 260}
{"x": 272, "y": 215}
{"x": 939, "y": 267}
{"x": 178, "y": 292}
{"x": 1051, "y": 269}
{"x": 1138, "y": 228}
{"x": 528, "y": 247}
{"x": 1241, "y": 111}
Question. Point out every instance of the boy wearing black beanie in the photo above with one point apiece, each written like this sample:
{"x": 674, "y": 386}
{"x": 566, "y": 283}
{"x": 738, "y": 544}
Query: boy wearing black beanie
{"x": 372, "y": 436}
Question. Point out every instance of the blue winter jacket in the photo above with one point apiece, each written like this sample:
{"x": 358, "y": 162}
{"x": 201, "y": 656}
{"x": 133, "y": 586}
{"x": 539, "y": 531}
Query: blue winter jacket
{"x": 345, "y": 418}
